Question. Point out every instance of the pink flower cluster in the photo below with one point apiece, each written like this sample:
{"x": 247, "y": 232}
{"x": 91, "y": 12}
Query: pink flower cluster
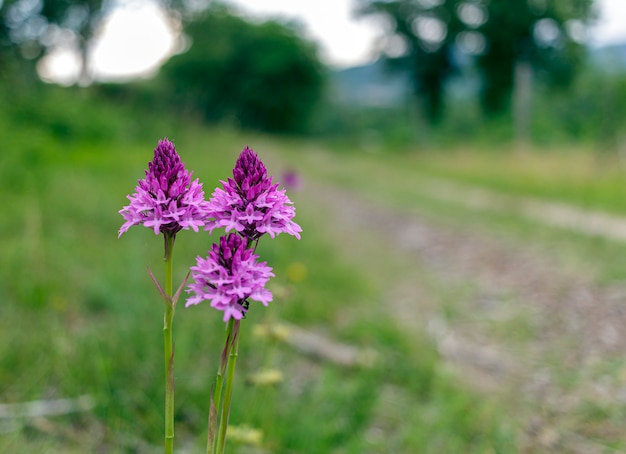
{"x": 166, "y": 201}
{"x": 250, "y": 203}
{"x": 229, "y": 276}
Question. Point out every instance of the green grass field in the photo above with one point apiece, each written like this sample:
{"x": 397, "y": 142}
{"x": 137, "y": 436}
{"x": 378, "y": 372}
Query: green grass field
{"x": 80, "y": 315}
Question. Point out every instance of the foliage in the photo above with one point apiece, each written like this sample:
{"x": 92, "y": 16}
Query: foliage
{"x": 529, "y": 31}
{"x": 31, "y": 28}
{"x": 590, "y": 112}
{"x": 428, "y": 58}
{"x": 257, "y": 75}
{"x": 78, "y": 320}
{"x": 28, "y": 28}
{"x": 435, "y": 37}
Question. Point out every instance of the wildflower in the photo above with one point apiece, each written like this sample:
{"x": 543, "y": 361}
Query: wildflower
{"x": 251, "y": 203}
{"x": 229, "y": 276}
{"x": 291, "y": 180}
{"x": 166, "y": 200}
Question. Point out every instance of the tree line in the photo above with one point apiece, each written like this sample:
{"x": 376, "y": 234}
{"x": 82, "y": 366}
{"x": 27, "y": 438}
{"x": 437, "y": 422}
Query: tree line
{"x": 266, "y": 75}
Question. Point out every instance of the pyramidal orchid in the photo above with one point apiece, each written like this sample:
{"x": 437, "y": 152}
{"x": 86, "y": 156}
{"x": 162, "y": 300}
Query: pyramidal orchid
{"x": 229, "y": 277}
{"x": 167, "y": 201}
{"x": 250, "y": 203}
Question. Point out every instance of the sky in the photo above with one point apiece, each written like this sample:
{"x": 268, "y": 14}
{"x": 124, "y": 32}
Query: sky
{"x": 611, "y": 26}
{"x": 137, "y": 38}
{"x": 347, "y": 41}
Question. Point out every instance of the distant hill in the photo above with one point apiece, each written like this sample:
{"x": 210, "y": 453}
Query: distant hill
{"x": 369, "y": 85}
{"x": 609, "y": 58}
{"x": 374, "y": 85}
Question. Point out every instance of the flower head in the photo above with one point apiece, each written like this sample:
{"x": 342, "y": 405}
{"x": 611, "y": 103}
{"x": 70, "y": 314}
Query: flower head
{"x": 291, "y": 180}
{"x": 229, "y": 276}
{"x": 166, "y": 200}
{"x": 251, "y": 203}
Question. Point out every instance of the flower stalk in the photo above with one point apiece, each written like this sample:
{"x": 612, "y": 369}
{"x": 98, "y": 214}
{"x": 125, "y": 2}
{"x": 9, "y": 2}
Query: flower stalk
{"x": 224, "y": 389}
{"x": 168, "y": 344}
{"x": 228, "y": 389}
{"x": 216, "y": 398}
{"x": 230, "y": 277}
{"x": 167, "y": 201}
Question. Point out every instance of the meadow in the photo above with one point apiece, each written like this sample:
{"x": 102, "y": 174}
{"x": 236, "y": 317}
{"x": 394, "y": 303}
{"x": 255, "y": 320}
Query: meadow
{"x": 80, "y": 316}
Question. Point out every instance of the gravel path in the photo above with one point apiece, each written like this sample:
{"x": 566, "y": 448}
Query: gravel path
{"x": 549, "y": 213}
{"x": 509, "y": 319}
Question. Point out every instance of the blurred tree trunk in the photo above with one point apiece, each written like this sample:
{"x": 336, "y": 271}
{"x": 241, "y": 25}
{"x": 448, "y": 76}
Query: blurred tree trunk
{"x": 85, "y": 77}
{"x": 522, "y": 102}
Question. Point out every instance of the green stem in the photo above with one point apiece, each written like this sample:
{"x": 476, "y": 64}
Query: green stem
{"x": 228, "y": 360}
{"x": 228, "y": 390}
{"x": 169, "y": 346}
{"x": 219, "y": 384}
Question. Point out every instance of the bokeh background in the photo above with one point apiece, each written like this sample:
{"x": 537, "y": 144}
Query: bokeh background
{"x": 458, "y": 170}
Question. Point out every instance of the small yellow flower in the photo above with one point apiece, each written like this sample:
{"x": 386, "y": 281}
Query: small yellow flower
{"x": 296, "y": 272}
{"x": 266, "y": 377}
{"x": 245, "y": 435}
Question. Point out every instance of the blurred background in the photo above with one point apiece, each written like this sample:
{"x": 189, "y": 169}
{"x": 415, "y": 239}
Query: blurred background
{"x": 458, "y": 170}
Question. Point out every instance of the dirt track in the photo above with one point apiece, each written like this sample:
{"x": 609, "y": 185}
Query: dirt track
{"x": 510, "y": 319}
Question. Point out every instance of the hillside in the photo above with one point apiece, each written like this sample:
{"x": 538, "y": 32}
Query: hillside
{"x": 374, "y": 85}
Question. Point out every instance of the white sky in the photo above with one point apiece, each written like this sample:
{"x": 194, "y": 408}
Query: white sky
{"x": 345, "y": 39}
{"x": 348, "y": 41}
{"x": 136, "y": 38}
{"x": 611, "y": 25}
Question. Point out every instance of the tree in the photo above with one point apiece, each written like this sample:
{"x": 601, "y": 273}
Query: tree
{"x": 533, "y": 32}
{"x": 425, "y": 33}
{"x": 496, "y": 34}
{"x": 29, "y": 27}
{"x": 263, "y": 75}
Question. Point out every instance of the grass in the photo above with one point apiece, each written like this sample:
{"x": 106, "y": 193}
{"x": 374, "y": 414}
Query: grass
{"x": 577, "y": 178}
{"x": 81, "y": 317}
